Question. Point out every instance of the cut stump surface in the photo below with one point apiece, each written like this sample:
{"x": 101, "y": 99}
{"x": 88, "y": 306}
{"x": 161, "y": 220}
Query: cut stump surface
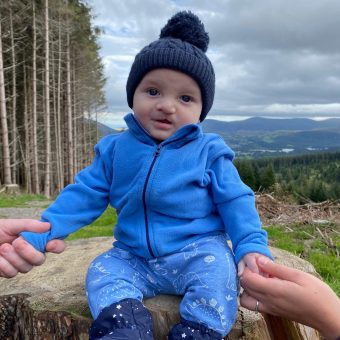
{"x": 50, "y": 303}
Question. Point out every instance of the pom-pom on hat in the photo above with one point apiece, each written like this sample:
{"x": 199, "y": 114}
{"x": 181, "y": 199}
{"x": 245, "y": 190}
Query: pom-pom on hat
{"x": 181, "y": 46}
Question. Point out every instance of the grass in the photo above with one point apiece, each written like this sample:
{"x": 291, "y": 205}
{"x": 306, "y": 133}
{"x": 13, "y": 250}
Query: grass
{"x": 15, "y": 201}
{"x": 103, "y": 226}
{"x": 305, "y": 241}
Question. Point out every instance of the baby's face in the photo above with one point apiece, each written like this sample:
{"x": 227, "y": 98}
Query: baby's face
{"x": 165, "y": 100}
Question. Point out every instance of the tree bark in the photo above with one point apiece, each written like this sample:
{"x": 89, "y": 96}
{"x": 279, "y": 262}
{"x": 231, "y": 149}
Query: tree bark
{"x": 70, "y": 147}
{"x": 36, "y": 184}
{"x": 60, "y": 163}
{"x": 47, "y": 128}
{"x": 14, "y": 103}
{"x": 27, "y": 155}
{"x": 4, "y": 126}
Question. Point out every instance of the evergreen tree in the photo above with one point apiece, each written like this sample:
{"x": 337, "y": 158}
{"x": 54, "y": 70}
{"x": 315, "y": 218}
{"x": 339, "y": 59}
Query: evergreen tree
{"x": 268, "y": 177}
{"x": 247, "y": 173}
{"x": 317, "y": 192}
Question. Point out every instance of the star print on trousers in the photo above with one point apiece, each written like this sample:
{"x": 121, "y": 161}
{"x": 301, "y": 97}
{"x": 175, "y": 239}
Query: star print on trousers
{"x": 189, "y": 330}
{"x": 127, "y": 319}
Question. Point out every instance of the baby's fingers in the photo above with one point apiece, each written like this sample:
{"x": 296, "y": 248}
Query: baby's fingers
{"x": 240, "y": 268}
{"x": 250, "y": 260}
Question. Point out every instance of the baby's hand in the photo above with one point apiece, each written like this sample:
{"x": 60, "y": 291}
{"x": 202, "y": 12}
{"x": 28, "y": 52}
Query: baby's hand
{"x": 249, "y": 261}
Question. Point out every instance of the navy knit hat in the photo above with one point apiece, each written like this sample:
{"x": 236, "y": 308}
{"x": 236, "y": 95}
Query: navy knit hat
{"x": 181, "y": 46}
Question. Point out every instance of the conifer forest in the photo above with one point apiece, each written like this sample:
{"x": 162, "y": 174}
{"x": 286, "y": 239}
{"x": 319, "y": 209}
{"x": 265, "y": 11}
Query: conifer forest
{"x": 303, "y": 178}
{"x": 51, "y": 85}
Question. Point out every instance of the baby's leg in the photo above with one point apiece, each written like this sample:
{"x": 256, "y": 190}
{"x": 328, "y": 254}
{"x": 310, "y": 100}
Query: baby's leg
{"x": 115, "y": 285}
{"x": 210, "y": 286}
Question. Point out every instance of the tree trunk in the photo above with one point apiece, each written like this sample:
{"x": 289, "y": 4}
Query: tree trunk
{"x": 27, "y": 156}
{"x": 36, "y": 184}
{"x": 47, "y": 127}
{"x": 60, "y": 163}
{"x": 15, "y": 161}
{"x": 75, "y": 119}
{"x": 70, "y": 147}
{"x": 3, "y": 113}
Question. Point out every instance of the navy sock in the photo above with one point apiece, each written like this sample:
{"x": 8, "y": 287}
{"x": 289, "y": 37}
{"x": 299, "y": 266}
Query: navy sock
{"x": 190, "y": 330}
{"x": 126, "y": 319}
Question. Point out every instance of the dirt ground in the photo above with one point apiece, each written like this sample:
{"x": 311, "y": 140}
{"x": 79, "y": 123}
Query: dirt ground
{"x": 31, "y": 210}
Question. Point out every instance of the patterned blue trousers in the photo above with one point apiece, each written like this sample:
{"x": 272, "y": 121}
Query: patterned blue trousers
{"x": 204, "y": 272}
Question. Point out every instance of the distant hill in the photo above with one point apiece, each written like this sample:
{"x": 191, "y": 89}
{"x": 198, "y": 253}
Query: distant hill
{"x": 105, "y": 130}
{"x": 258, "y": 137}
{"x": 271, "y": 124}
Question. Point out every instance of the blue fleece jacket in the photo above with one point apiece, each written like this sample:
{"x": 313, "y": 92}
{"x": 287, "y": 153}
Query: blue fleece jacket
{"x": 166, "y": 195}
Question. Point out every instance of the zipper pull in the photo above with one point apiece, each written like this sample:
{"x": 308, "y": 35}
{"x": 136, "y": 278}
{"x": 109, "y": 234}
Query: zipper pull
{"x": 158, "y": 150}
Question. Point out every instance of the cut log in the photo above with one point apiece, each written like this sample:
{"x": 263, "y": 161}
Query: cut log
{"x": 11, "y": 189}
{"x": 49, "y": 302}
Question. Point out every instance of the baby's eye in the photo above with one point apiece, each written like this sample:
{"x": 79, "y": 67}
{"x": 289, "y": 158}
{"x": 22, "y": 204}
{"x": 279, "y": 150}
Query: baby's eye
{"x": 186, "y": 98}
{"x": 153, "y": 92}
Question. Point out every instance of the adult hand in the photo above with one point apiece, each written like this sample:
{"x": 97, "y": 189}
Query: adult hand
{"x": 16, "y": 255}
{"x": 292, "y": 294}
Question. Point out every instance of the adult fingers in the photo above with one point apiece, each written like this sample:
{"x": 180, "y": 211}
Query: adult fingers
{"x": 277, "y": 270}
{"x": 16, "y": 226}
{"x": 8, "y": 253}
{"x": 252, "y": 303}
{"x": 6, "y": 269}
{"x": 253, "y": 281}
{"x": 28, "y": 252}
{"x": 55, "y": 246}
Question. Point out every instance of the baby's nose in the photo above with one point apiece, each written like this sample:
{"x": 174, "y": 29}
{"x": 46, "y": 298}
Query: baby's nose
{"x": 166, "y": 105}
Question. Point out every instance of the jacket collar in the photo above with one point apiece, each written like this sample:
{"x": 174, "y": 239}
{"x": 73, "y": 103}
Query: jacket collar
{"x": 182, "y": 136}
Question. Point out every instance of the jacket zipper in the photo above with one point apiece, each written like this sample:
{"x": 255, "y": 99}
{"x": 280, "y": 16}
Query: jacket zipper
{"x": 157, "y": 152}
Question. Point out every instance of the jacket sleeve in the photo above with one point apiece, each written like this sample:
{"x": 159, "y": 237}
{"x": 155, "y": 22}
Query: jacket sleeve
{"x": 235, "y": 203}
{"x": 80, "y": 203}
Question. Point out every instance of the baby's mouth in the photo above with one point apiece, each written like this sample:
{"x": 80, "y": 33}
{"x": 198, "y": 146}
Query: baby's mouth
{"x": 164, "y": 121}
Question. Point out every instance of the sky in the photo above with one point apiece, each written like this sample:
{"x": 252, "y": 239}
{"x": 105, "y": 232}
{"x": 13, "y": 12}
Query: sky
{"x": 278, "y": 58}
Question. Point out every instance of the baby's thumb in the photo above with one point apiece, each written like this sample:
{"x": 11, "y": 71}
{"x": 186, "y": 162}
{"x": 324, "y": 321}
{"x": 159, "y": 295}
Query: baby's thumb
{"x": 55, "y": 246}
{"x": 240, "y": 268}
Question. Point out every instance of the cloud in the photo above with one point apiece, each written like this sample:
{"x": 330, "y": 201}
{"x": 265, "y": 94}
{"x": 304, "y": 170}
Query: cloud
{"x": 275, "y": 56}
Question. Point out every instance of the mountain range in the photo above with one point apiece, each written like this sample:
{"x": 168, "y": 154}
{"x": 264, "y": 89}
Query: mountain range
{"x": 271, "y": 124}
{"x": 258, "y": 136}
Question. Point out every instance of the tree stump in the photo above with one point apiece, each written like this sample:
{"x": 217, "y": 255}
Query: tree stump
{"x": 49, "y": 302}
{"x": 10, "y": 189}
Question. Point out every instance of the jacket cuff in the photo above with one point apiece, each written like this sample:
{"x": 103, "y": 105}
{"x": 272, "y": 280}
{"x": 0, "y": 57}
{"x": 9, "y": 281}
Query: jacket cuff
{"x": 37, "y": 240}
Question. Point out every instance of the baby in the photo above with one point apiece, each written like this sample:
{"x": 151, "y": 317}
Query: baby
{"x": 177, "y": 195}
